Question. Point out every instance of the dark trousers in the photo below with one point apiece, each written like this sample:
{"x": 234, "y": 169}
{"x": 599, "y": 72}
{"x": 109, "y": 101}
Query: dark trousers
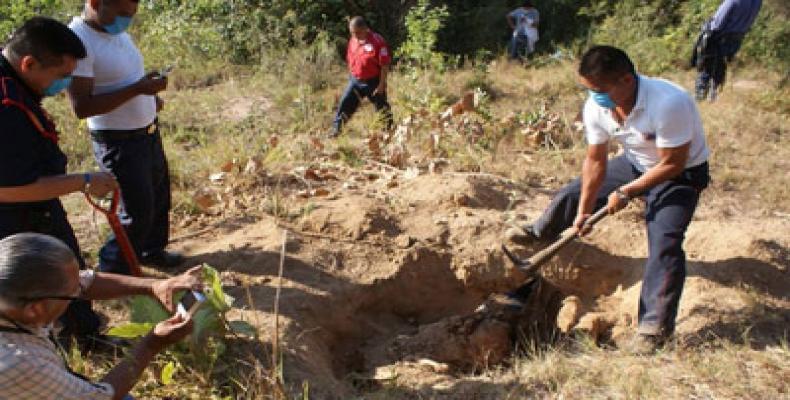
{"x": 712, "y": 63}
{"x": 356, "y": 90}
{"x": 670, "y": 206}
{"x": 140, "y": 166}
{"x": 50, "y": 219}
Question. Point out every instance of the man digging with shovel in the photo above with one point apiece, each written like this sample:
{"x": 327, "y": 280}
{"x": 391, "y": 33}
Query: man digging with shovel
{"x": 664, "y": 159}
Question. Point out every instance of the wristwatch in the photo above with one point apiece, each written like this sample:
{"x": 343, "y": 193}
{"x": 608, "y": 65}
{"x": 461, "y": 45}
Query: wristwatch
{"x": 86, "y": 186}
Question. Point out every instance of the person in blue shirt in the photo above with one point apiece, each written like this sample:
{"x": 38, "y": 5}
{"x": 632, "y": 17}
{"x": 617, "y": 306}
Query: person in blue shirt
{"x": 523, "y": 21}
{"x": 718, "y": 42}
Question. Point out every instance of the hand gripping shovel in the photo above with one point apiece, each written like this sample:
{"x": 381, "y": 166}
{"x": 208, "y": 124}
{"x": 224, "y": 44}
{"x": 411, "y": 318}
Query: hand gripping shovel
{"x": 530, "y": 265}
{"x": 120, "y": 234}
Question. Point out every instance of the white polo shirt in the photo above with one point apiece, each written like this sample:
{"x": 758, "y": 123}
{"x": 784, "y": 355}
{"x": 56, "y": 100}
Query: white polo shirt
{"x": 114, "y": 62}
{"x": 664, "y": 116}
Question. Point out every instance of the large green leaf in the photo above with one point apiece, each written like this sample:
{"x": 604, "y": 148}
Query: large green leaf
{"x": 147, "y": 309}
{"x": 216, "y": 296}
{"x": 131, "y": 330}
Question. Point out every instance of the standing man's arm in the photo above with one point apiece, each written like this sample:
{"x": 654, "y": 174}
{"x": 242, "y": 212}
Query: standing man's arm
{"x": 86, "y": 104}
{"x": 672, "y": 164}
{"x": 511, "y": 21}
{"x": 382, "y": 88}
{"x": 384, "y": 59}
{"x": 51, "y": 187}
{"x": 593, "y": 174}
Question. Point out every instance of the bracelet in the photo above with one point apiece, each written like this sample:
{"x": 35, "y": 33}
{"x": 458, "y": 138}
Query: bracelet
{"x": 621, "y": 194}
{"x": 87, "y": 182}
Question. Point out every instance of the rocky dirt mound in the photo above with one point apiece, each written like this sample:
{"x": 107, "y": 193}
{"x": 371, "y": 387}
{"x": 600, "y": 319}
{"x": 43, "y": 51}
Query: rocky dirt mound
{"x": 382, "y": 280}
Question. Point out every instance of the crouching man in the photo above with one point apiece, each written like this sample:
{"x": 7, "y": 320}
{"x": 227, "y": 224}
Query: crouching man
{"x": 39, "y": 277}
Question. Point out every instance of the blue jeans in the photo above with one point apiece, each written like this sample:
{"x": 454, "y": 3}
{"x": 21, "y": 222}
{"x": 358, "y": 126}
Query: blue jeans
{"x": 519, "y": 47}
{"x": 670, "y": 206}
{"x": 140, "y": 166}
{"x": 356, "y": 90}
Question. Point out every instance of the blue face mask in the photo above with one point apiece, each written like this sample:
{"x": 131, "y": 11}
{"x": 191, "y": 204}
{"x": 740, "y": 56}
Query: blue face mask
{"x": 57, "y": 86}
{"x": 118, "y": 26}
{"x": 602, "y": 99}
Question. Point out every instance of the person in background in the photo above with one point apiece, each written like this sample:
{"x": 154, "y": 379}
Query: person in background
{"x": 39, "y": 278}
{"x": 524, "y": 22}
{"x": 368, "y": 57}
{"x": 112, "y": 90}
{"x": 719, "y": 41}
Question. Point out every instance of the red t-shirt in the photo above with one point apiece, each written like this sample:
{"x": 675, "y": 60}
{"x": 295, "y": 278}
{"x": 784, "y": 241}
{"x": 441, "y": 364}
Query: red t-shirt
{"x": 365, "y": 59}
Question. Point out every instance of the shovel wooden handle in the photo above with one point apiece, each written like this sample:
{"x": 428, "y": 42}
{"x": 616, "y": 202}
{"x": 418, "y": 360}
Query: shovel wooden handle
{"x": 532, "y": 264}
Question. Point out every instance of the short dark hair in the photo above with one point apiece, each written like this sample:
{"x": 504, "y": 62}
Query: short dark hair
{"x": 605, "y": 62}
{"x": 529, "y": 4}
{"x": 47, "y": 40}
{"x": 358, "y": 22}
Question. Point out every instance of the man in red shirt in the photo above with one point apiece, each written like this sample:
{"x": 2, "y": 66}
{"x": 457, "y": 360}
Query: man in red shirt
{"x": 368, "y": 58}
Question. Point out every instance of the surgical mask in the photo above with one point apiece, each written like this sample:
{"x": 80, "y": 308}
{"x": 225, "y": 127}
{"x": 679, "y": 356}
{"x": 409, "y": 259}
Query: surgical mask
{"x": 57, "y": 86}
{"x": 602, "y": 99}
{"x": 118, "y": 26}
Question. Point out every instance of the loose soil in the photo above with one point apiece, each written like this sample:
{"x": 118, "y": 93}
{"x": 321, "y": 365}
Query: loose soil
{"x": 383, "y": 277}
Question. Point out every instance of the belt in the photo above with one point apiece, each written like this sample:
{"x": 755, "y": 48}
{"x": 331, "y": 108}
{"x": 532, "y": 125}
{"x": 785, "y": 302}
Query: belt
{"x": 106, "y": 135}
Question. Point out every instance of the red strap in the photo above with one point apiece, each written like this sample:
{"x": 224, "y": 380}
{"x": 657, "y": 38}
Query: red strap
{"x": 49, "y": 134}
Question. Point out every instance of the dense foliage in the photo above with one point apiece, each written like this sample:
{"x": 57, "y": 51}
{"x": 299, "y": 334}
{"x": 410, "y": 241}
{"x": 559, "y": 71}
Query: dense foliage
{"x": 658, "y": 33}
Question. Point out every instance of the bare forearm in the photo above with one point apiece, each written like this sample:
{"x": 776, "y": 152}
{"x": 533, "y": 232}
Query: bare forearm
{"x": 654, "y": 176}
{"x": 593, "y": 174}
{"x": 127, "y": 372}
{"x": 46, "y": 188}
{"x": 383, "y": 75}
{"x": 109, "y": 286}
{"x": 89, "y": 106}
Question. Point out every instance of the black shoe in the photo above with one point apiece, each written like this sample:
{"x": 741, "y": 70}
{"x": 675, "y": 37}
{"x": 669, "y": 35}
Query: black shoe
{"x": 162, "y": 259}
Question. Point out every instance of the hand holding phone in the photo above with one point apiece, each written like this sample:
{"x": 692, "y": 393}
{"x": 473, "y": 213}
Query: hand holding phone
{"x": 190, "y": 303}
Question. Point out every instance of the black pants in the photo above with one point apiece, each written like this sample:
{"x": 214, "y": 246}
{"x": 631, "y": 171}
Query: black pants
{"x": 356, "y": 90}
{"x": 140, "y": 166}
{"x": 670, "y": 206}
{"x": 713, "y": 60}
{"x": 49, "y": 218}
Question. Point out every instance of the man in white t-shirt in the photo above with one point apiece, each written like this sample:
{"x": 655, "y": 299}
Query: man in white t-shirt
{"x": 664, "y": 159}
{"x": 524, "y": 22}
{"x": 111, "y": 89}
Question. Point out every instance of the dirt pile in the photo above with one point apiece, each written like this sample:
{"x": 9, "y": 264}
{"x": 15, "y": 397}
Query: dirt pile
{"x": 382, "y": 281}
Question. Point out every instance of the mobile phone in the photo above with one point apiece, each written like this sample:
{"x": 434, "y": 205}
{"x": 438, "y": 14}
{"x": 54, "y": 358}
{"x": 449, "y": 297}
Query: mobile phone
{"x": 190, "y": 303}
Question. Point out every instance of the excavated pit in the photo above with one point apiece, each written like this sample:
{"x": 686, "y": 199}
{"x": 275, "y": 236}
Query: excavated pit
{"x": 374, "y": 293}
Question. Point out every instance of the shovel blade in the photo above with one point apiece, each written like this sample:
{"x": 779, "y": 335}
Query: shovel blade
{"x": 522, "y": 264}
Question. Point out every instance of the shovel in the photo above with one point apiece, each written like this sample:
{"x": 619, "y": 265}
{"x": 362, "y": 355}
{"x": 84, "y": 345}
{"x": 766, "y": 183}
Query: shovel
{"x": 120, "y": 234}
{"x": 530, "y": 265}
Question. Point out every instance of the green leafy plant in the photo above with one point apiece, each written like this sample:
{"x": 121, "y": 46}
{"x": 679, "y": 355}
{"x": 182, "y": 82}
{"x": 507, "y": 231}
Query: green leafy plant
{"x": 423, "y": 23}
{"x": 211, "y": 326}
